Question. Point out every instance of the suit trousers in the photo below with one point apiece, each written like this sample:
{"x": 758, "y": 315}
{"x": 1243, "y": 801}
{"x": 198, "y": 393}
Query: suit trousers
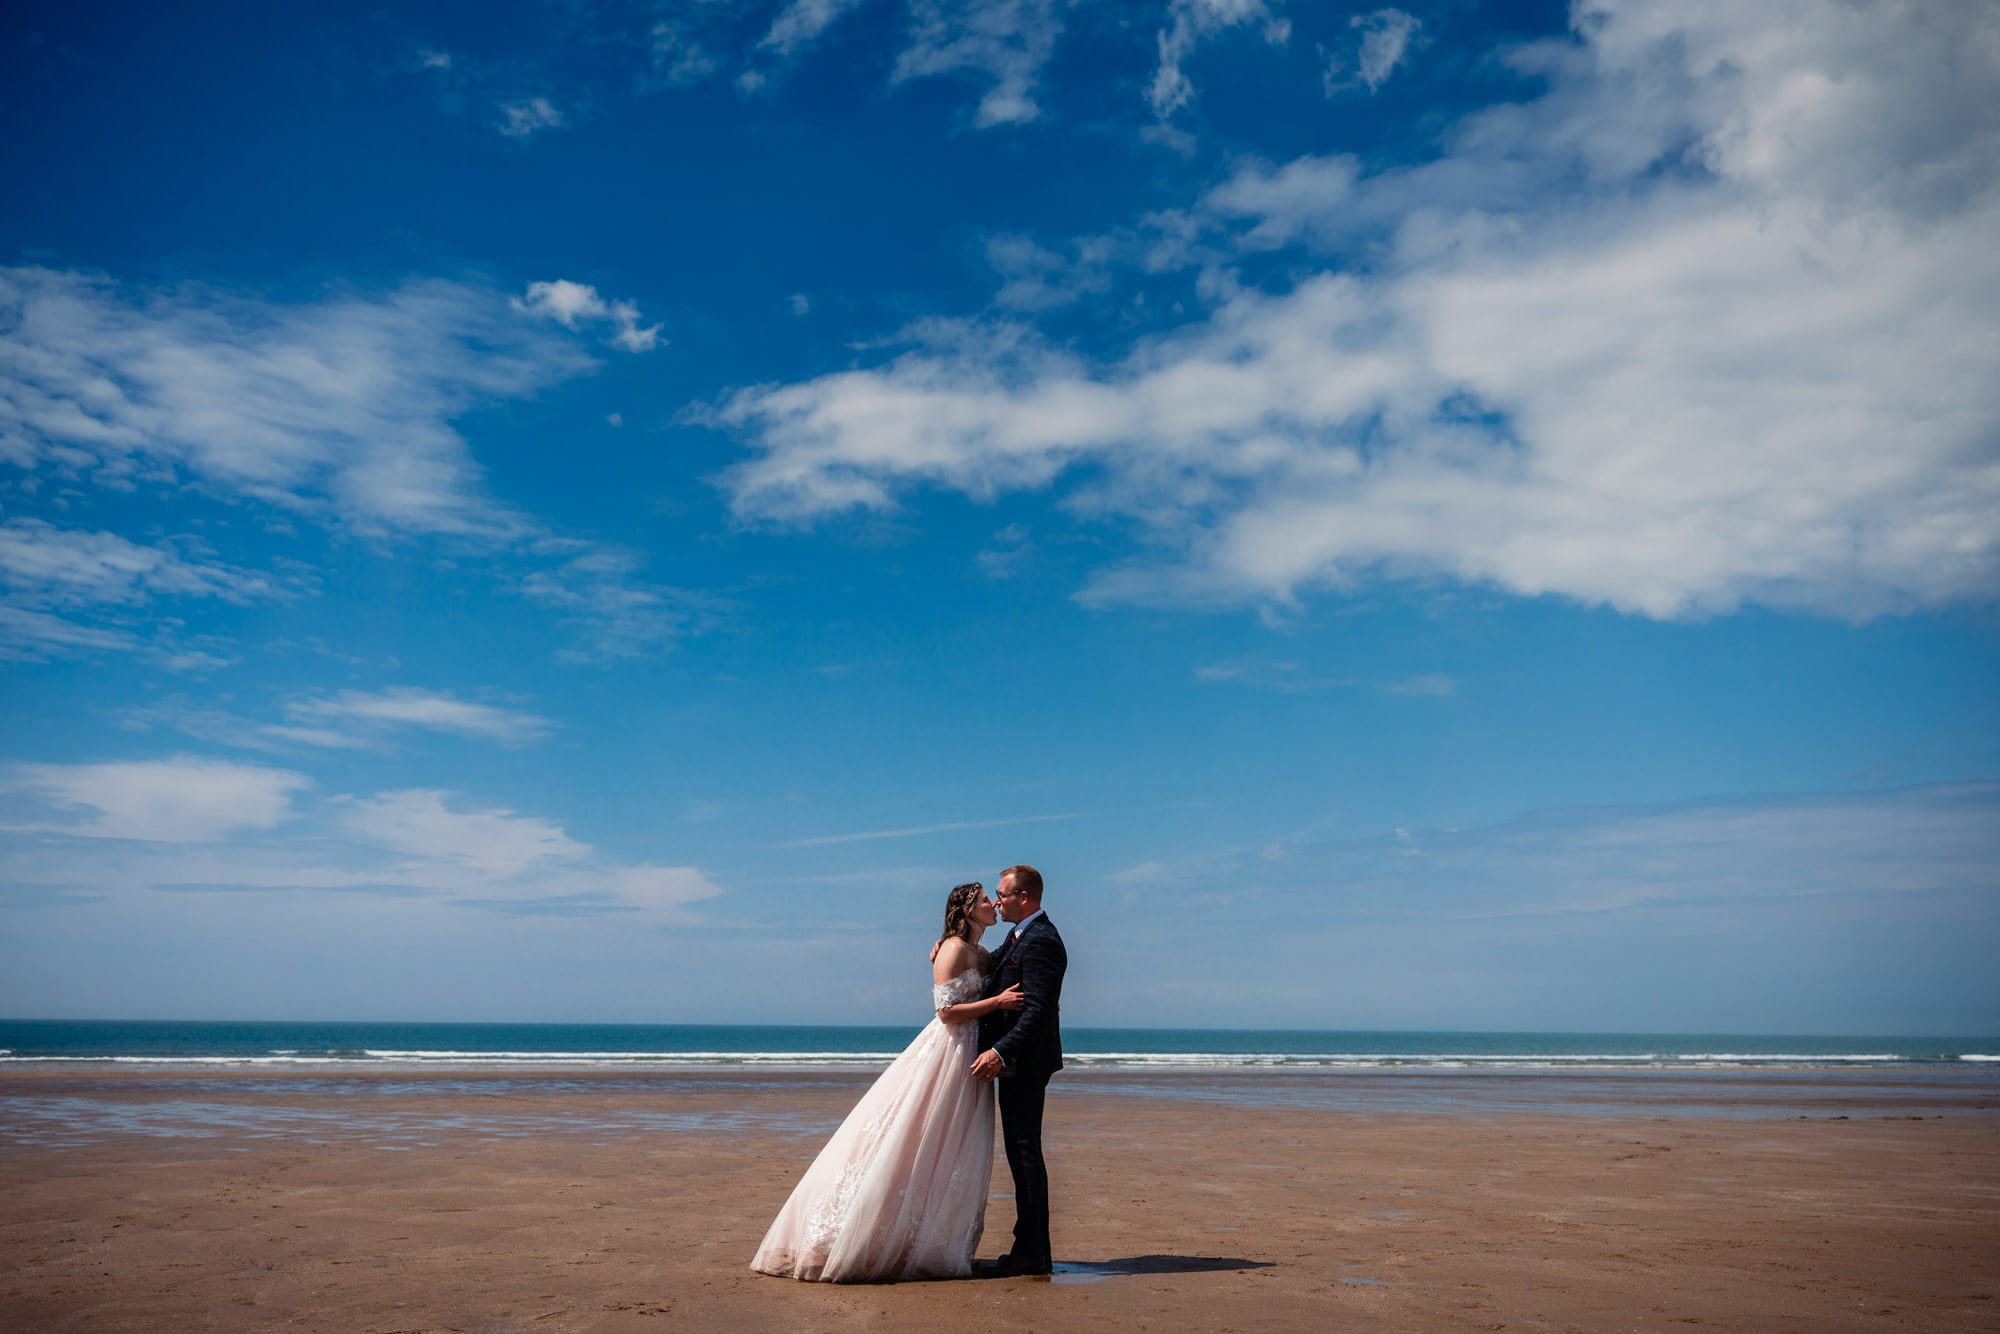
{"x": 1021, "y": 1101}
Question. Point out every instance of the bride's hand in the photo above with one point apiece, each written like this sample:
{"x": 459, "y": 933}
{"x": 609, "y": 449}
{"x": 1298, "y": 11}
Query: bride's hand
{"x": 1013, "y": 998}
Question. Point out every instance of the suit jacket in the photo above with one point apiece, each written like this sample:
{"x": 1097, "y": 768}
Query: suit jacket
{"x": 1029, "y": 1039}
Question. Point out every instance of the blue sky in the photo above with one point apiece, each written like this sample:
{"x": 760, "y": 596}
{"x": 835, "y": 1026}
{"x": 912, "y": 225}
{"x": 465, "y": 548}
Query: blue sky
{"x": 1450, "y": 516}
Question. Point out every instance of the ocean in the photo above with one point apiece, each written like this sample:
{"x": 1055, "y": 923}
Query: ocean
{"x": 105, "y": 1043}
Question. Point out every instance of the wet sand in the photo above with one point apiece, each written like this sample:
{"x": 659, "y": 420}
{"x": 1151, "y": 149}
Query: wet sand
{"x": 147, "y": 1202}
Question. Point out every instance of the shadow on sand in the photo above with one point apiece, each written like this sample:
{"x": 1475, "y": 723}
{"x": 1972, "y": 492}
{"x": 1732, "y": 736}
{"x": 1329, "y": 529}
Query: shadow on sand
{"x": 1094, "y": 1271}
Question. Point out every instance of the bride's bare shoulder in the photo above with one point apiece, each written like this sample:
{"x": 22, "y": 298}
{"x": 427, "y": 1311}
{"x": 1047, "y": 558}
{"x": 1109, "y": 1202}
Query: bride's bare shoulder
{"x": 954, "y": 957}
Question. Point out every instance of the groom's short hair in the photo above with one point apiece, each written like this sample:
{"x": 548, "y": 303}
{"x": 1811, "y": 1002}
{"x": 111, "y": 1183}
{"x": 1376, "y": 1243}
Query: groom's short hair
{"x": 1026, "y": 879}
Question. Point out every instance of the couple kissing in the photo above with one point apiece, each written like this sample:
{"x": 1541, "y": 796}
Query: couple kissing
{"x": 899, "y": 1191}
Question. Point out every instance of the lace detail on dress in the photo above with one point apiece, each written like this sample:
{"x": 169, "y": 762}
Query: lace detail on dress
{"x": 899, "y": 1191}
{"x": 966, "y": 986}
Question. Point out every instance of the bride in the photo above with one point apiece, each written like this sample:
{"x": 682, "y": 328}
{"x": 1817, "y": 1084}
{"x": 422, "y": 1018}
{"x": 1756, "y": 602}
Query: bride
{"x": 900, "y": 1189}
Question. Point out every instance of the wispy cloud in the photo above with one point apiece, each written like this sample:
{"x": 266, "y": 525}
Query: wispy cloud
{"x": 1037, "y": 278}
{"x": 196, "y": 826}
{"x": 346, "y": 720}
{"x": 340, "y": 409}
{"x": 1429, "y": 683}
{"x": 108, "y": 577}
{"x": 1193, "y": 22}
{"x": 1267, "y": 674}
{"x": 518, "y": 120}
{"x": 572, "y": 304}
{"x": 1006, "y": 553}
{"x": 397, "y": 707}
{"x": 419, "y": 823}
{"x": 1007, "y": 41}
{"x": 618, "y": 613}
{"x": 1667, "y": 391}
{"x": 35, "y": 636}
{"x": 801, "y": 22}
{"x": 220, "y": 726}
{"x": 182, "y": 800}
{"x": 54, "y": 566}
{"x": 1387, "y": 36}
{"x": 681, "y": 46}
{"x": 918, "y": 831}
{"x": 1277, "y": 674}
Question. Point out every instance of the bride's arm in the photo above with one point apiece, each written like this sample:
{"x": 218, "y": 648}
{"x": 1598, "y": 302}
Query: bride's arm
{"x": 1010, "y": 999}
{"x": 952, "y": 961}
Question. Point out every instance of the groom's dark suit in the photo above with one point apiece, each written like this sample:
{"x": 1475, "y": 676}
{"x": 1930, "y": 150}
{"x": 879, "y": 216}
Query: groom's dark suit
{"x": 1029, "y": 1040}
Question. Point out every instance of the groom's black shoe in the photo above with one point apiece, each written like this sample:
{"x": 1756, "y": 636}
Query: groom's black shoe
{"x": 1012, "y": 1266}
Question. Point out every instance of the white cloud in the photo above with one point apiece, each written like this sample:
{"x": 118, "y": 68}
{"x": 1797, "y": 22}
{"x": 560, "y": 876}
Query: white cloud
{"x": 1141, "y": 873}
{"x": 1746, "y": 361}
{"x": 193, "y": 660}
{"x": 679, "y": 51}
{"x": 1267, "y": 674}
{"x": 565, "y": 302}
{"x": 408, "y": 706}
{"x": 1296, "y": 678}
{"x": 663, "y": 890}
{"x": 1429, "y": 683}
{"x": 340, "y": 408}
{"x": 1308, "y": 197}
{"x": 801, "y": 23}
{"x": 1386, "y": 37}
{"x": 344, "y": 720}
{"x": 33, "y": 636}
{"x": 183, "y": 800}
{"x": 922, "y": 831}
{"x": 1006, "y": 553}
{"x": 195, "y": 826}
{"x": 1192, "y": 23}
{"x": 494, "y": 858}
{"x": 521, "y": 119}
{"x": 572, "y": 304}
{"x": 418, "y": 823}
{"x": 1037, "y": 278}
{"x": 599, "y": 589}
{"x": 326, "y": 738}
{"x": 801, "y": 304}
{"x": 50, "y": 566}
{"x": 1006, "y": 40}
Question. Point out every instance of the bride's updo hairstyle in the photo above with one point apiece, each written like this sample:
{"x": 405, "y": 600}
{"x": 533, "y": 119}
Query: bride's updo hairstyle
{"x": 958, "y": 910}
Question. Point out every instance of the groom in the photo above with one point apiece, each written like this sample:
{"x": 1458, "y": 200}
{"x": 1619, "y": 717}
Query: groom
{"x": 1022, "y": 1048}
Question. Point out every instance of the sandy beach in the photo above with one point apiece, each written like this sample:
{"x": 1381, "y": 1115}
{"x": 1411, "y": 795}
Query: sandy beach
{"x": 150, "y": 1202}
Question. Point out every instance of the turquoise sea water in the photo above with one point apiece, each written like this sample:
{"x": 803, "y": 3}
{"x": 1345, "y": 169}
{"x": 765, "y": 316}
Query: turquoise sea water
{"x": 350, "y": 1045}
{"x": 338, "y": 1082}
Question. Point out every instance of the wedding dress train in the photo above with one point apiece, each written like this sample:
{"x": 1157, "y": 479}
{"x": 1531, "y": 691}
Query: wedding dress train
{"x": 900, "y": 1189}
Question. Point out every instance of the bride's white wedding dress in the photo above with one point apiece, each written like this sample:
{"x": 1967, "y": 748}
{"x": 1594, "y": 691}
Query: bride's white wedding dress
{"x": 900, "y": 1189}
